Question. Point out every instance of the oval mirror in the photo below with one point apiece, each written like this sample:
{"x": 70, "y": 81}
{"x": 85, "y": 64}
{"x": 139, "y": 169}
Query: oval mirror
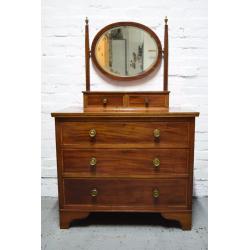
{"x": 126, "y": 51}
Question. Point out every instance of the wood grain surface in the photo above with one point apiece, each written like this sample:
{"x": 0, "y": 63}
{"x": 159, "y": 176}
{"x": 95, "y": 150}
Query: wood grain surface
{"x": 125, "y": 162}
{"x": 124, "y": 134}
{"x": 116, "y": 192}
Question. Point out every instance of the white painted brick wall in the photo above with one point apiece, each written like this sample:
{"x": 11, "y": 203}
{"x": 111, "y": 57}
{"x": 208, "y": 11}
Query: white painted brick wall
{"x": 63, "y": 64}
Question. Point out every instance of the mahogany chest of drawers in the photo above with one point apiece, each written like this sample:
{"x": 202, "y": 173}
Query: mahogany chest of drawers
{"x": 125, "y": 151}
{"x": 131, "y": 161}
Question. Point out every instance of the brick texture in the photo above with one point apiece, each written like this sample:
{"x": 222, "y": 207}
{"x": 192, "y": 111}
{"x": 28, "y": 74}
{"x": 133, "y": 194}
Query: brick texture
{"x": 63, "y": 72}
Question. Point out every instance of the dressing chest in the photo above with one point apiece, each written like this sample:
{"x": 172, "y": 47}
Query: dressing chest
{"x": 125, "y": 151}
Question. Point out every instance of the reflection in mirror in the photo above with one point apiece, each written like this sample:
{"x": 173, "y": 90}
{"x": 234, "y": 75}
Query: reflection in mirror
{"x": 126, "y": 51}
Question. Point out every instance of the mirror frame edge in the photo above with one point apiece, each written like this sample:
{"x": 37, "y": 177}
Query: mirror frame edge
{"x": 127, "y": 78}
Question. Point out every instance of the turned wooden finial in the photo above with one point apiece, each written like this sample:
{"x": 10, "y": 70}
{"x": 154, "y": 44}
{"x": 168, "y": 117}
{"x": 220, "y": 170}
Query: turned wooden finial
{"x": 166, "y": 20}
{"x": 86, "y": 20}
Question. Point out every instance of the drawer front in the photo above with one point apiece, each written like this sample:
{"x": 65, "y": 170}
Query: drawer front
{"x": 112, "y": 162}
{"x": 126, "y": 134}
{"x": 147, "y": 101}
{"x": 172, "y": 192}
{"x": 104, "y": 100}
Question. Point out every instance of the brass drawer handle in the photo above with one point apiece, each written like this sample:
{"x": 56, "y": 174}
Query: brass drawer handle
{"x": 104, "y": 101}
{"x": 156, "y": 193}
{"x": 94, "y": 192}
{"x": 156, "y": 163}
{"x": 157, "y": 133}
{"x": 92, "y": 133}
{"x": 93, "y": 162}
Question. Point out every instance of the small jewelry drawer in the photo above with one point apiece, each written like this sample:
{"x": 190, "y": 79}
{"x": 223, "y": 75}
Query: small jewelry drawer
{"x": 102, "y": 100}
{"x": 125, "y": 162}
{"x": 124, "y": 192}
{"x": 156, "y": 100}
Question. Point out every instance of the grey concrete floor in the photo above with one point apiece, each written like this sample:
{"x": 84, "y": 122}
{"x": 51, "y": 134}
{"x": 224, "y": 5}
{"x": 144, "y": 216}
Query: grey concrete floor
{"x": 127, "y": 231}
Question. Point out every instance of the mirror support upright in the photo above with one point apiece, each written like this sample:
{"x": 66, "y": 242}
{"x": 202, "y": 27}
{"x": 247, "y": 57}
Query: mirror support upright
{"x": 165, "y": 51}
{"x": 87, "y": 54}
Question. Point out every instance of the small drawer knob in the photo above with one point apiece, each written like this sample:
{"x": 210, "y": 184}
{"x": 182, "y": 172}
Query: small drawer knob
{"x": 146, "y": 101}
{"x": 92, "y": 133}
{"x": 156, "y": 193}
{"x": 104, "y": 101}
{"x": 93, "y": 162}
{"x": 157, "y": 133}
{"x": 156, "y": 163}
{"x": 94, "y": 192}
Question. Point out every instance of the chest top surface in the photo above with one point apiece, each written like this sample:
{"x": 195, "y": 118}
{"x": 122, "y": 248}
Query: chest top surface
{"x": 130, "y": 112}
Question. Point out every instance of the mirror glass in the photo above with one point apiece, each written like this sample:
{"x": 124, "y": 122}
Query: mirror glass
{"x": 126, "y": 51}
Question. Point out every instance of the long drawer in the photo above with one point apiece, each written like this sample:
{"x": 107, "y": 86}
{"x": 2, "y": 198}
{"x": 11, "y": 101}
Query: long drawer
{"x": 115, "y": 162}
{"x": 125, "y": 134}
{"x": 125, "y": 192}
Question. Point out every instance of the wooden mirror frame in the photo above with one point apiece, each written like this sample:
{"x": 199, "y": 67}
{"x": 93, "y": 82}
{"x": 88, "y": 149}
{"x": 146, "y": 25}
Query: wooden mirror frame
{"x": 131, "y": 24}
{"x": 164, "y": 53}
